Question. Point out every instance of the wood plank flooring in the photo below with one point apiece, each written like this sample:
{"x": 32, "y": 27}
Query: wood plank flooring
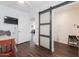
{"x": 31, "y": 50}
{"x": 64, "y": 50}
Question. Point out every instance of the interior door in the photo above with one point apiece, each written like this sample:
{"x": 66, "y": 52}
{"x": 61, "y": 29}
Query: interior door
{"x": 45, "y": 29}
{"x": 23, "y": 31}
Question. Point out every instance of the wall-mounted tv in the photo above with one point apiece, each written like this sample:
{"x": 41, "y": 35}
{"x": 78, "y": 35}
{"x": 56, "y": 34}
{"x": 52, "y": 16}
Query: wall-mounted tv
{"x": 10, "y": 20}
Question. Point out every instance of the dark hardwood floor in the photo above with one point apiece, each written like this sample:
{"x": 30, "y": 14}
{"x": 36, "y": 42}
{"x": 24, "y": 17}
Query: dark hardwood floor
{"x": 31, "y": 50}
{"x": 64, "y": 50}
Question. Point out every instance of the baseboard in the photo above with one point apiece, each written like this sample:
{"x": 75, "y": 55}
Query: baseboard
{"x": 23, "y": 42}
{"x": 61, "y": 43}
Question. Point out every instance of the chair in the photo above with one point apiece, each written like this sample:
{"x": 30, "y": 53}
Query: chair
{"x": 7, "y": 48}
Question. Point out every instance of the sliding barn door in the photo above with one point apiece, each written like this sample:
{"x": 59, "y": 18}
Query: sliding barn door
{"x": 45, "y": 29}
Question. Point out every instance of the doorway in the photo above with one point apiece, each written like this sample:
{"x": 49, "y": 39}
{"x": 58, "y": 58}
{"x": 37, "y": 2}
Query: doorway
{"x": 66, "y": 30}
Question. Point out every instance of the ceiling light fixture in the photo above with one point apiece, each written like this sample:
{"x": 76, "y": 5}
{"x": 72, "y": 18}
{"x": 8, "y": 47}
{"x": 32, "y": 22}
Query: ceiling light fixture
{"x": 21, "y": 1}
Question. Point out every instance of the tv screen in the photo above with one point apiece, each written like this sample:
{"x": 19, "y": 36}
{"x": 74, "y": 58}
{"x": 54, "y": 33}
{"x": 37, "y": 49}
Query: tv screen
{"x": 10, "y": 20}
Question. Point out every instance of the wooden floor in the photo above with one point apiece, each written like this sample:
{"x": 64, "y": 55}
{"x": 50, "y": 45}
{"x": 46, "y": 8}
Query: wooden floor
{"x": 63, "y": 50}
{"x": 31, "y": 50}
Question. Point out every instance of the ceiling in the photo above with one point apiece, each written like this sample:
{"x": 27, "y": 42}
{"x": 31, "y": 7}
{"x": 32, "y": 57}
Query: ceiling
{"x": 27, "y": 6}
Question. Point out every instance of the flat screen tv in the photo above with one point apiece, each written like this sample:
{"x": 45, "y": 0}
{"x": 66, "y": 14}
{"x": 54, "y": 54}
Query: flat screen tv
{"x": 10, "y": 20}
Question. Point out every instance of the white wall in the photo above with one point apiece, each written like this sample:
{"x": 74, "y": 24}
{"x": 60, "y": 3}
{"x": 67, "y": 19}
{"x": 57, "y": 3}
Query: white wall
{"x": 23, "y": 26}
{"x": 64, "y": 22}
